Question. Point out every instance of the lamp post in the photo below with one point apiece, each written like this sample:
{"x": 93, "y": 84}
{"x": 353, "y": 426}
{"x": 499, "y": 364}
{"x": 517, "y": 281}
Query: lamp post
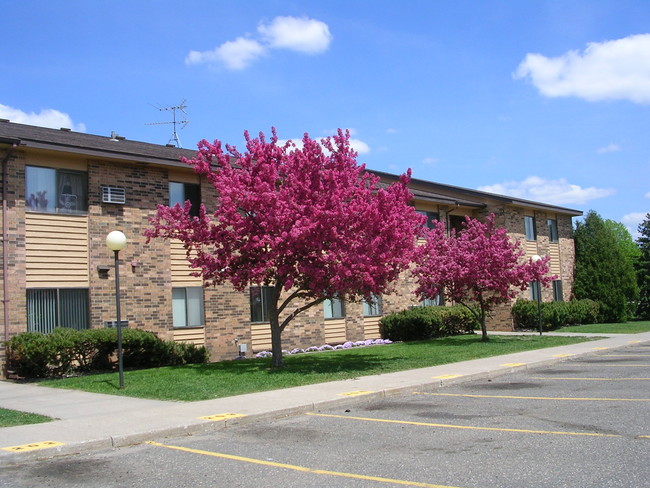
{"x": 536, "y": 258}
{"x": 116, "y": 241}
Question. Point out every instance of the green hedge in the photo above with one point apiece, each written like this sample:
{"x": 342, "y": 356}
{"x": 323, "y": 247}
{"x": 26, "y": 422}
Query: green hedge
{"x": 67, "y": 351}
{"x": 421, "y": 323}
{"x": 554, "y": 314}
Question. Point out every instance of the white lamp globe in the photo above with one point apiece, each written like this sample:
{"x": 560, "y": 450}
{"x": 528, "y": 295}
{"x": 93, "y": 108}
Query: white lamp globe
{"x": 116, "y": 240}
{"x": 536, "y": 258}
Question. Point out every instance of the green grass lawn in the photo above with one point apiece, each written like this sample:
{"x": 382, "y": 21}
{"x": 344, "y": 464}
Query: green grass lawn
{"x": 228, "y": 378}
{"x": 10, "y": 418}
{"x": 623, "y": 328}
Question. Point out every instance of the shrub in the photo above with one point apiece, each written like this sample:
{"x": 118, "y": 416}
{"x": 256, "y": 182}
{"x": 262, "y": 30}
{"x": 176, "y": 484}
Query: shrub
{"x": 421, "y": 323}
{"x": 554, "y": 314}
{"x": 67, "y": 351}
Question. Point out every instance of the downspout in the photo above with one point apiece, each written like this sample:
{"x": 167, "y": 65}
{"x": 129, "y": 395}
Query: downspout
{"x": 5, "y": 235}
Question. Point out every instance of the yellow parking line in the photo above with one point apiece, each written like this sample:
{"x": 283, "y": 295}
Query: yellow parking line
{"x": 465, "y": 427}
{"x": 600, "y": 348}
{"x": 447, "y": 376}
{"x": 32, "y": 447}
{"x": 562, "y": 355}
{"x": 515, "y": 397}
{"x": 589, "y": 379}
{"x": 512, "y": 365}
{"x": 294, "y": 467}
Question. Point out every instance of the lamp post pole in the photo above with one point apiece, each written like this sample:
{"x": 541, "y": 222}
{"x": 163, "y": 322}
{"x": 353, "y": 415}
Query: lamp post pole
{"x": 538, "y": 292}
{"x": 116, "y": 241}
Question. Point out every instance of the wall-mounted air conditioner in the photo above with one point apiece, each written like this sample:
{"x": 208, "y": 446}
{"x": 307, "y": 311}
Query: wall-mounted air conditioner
{"x": 113, "y": 194}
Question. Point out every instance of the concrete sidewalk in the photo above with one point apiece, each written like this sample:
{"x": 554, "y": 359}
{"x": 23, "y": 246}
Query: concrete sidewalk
{"x": 89, "y": 421}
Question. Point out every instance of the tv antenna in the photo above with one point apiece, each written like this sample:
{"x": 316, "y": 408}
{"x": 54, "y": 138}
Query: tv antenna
{"x": 181, "y": 119}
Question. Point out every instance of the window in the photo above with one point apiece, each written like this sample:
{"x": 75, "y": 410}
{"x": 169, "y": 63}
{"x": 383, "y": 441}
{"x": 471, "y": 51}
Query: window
{"x": 333, "y": 308}
{"x": 54, "y": 190}
{"x": 432, "y": 218}
{"x": 557, "y": 291}
{"x": 372, "y": 307}
{"x": 187, "y": 307}
{"x": 535, "y": 291}
{"x": 57, "y": 307}
{"x": 260, "y": 300}
{"x": 457, "y": 222}
{"x": 181, "y": 192}
{"x": 530, "y": 227}
{"x": 552, "y": 230}
{"x": 437, "y": 301}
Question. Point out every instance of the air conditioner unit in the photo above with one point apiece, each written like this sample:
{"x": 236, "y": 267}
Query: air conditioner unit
{"x": 113, "y": 194}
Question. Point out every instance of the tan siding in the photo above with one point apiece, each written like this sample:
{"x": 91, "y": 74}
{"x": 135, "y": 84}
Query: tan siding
{"x": 555, "y": 264}
{"x": 194, "y": 335}
{"x": 181, "y": 268}
{"x": 371, "y": 327}
{"x": 56, "y": 250}
{"x": 261, "y": 337}
{"x": 335, "y": 331}
{"x": 530, "y": 248}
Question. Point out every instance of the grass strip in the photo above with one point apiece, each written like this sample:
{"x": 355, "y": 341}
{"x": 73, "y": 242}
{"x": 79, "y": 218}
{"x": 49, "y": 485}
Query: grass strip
{"x": 11, "y": 418}
{"x": 620, "y": 328}
{"x": 229, "y": 378}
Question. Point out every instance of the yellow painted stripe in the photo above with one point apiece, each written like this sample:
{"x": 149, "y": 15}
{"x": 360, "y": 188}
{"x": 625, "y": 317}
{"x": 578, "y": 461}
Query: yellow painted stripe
{"x": 562, "y": 355}
{"x": 600, "y": 348}
{"x": 33, "y": 447}
{"x": 356, "y": 393}
{"x": 465, "y": 427}
{"x": 447, "y": 376}
{"x": 590, "y": 379}
{"x": 222, "y": 416}
{"x": 515, "y": 397}
{"x": 294, "y": 467}
{"x": 512, "y": 365}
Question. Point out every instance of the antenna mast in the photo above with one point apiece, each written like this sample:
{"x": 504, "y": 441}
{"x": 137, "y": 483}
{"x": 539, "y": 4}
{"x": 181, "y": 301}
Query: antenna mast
{"x": 174, "y": 140}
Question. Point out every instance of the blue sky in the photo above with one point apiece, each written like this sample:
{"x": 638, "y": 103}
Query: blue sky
{"x": 545, "y": 100}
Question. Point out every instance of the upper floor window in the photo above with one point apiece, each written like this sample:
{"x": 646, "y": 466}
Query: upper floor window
{"x": 372, "y": 307}
{"x": 552, "y": 230}
{"x": 432, "y": 218}
{"x": 333, "y": 308}
{"x": 55, "y": 190}
{"x": 181, "y": 192}
{"x": 530, "y": 227}
{"x": 260, "y": 301}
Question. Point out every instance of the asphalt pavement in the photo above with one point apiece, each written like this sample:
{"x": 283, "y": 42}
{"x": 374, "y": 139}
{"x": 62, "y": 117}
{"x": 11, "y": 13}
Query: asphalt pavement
{"x": 90, "y": 421}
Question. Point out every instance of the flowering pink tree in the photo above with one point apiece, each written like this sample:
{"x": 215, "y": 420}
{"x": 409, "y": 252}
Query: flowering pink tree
{"x": 305, "y": 220}
{"x": 477, "y": 266}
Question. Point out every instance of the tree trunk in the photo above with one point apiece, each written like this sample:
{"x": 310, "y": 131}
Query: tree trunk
{"x": 484, "y": 336}
{"x": 276, "y": 343}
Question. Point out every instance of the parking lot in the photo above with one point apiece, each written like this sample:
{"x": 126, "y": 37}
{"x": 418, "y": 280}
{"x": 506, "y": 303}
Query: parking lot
{"x": 579, "y": 423}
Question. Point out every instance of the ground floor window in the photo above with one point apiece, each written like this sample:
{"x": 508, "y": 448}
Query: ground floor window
{"x": 48, "y": 308}
{"x": 333, "y": 308}
{"x": 187, "y": 307}
{"x": 557, "y": 291}
{"x": 535, "y": 291}
{"x": 372, "y": 307}
{"x": 260, "y": 301}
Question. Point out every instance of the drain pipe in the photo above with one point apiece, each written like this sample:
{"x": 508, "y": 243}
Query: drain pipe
{"x": 5, "y": 234}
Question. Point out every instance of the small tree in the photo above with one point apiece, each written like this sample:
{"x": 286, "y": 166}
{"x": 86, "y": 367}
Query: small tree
{"x": 643, "y": 268}
{"x": 604, "y": 272}
{"x": 307, "y": 222}
{"x": 477, "y": 266}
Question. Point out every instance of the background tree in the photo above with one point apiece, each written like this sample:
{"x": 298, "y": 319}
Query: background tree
{"x": 304, "y": 220}
{"x": 604, "y": 272}
{"x": 478, "y": 267}
{"x": 643, "y": 268}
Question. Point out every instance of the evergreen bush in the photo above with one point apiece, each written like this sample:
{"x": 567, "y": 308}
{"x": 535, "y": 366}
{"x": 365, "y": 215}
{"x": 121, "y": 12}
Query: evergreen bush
{"x": 421, "y": 323}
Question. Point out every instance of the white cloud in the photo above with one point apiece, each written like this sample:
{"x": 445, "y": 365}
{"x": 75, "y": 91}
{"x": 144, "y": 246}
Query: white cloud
{"x": 430, "y": 161}
{"x": 304, "y": 35}
{"x": 391, "y": 131}
{"x": 234, "y": 55}
{"x": 610, "y": 70}
{"x": 632, "y": 221}
{"x": 357, "y": 145}
{"x": 608, "y": 149}
{"x": 298, "y": 34}
{"x": 45, "y": 118}
{"x": 647, "y": 195}
{"x": 558, "y": 192}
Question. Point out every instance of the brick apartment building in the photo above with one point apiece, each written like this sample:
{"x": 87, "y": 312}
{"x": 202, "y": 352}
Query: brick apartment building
{"x": 64, "y": 191}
